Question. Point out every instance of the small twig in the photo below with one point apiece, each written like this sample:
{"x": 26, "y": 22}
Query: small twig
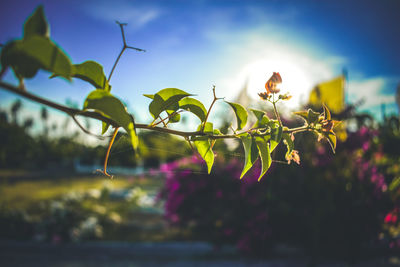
{"x": 233, "y": 130}
{"x": 190, "y": 144}
{"x": 169, "y": 116}
{"x": 115, "y": 64}
{"x": 209, "y": 109}
{"x": 125, "y": 46}
{"x": 85, "y": 130}
{"x": 121, "y": 25}
{"x": 161, "y": 121}
{"x": 281, "y": 162}
{"x": 135, "y": 48}
{"x": 275, "y": 109}
{"x": 108, "y": 154}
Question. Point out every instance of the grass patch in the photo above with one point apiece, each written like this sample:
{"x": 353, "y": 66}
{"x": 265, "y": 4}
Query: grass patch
{"x": 23, "y": 194}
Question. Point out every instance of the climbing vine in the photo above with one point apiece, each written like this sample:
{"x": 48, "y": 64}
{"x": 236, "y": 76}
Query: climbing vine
{"x": 37, "y": 51}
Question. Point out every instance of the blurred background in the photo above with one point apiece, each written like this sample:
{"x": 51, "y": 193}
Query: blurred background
{"x": 330, "y": 208}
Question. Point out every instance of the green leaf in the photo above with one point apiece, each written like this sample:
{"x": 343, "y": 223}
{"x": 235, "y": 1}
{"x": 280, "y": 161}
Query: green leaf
{"x": 104, "y": 127}
{"x": 289, "y": 144}
{"x": 240, "y": 113}
{"x": 194, "y": 106}
{"x": 250, "y": 152}
{"x": 258, "y": 113}
{"x": 149, "y": 96}
{"x": 111, "y": 107}
{"x": 276, "y": 134}
{"x": 166, "y": 99}
{"x": 203, "y": 146}
{"x": 208, "y": 128}
{"x": 262, "y": 118}
{"x": 327, "y": 113}
{"x": 265, "y": 155}
{"x": 331, "y": 140}
{"x": 29, "y": 55}
{"x": 36, "y": 24}
{"x": 216, "y": 132}
{"x": 312, "y": 116}
{"x": 175, "y": 118}
{"x": 189, "y": 104}
{"x": 302, "y": 114}
{"x": 91, "y": 72}
{"x": 22, "y": 66}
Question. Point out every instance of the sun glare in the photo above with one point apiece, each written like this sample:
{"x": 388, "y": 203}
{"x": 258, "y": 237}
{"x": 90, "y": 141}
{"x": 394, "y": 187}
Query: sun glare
{"x": 295, "y": 80}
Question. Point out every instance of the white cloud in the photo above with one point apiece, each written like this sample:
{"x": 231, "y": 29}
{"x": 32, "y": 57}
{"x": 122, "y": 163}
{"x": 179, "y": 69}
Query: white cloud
{"x": 136, "y": 16}
{"x": 370, "y": 91}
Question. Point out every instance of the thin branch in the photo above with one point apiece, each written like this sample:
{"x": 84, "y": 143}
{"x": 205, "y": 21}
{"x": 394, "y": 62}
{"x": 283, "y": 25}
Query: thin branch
{"x": 135, "y": 48}
{"x": 190, "y": 144}
{"x": 108, "y": 154}
{"x": 115, "y": 64}
{"x": 95, "y": 115}
{"x": 275, "y": 109}
{"x": 161, "y": 121}
{"x": 209, "y": 109}
{"x": 169, "y": 116}
{"x": 65, "y": 109}
{"x": 281, "y": 162}
{"x": 125, "y": 46}
{"x": 121, "y": 25}
{"x": 86, "y": 131}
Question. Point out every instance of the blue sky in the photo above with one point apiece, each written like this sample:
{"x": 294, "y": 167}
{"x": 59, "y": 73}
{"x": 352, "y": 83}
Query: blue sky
{"x": 193, "y": 45}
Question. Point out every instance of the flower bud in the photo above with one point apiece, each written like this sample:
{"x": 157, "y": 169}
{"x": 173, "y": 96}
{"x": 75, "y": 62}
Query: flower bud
{"x": 271, "y": 84}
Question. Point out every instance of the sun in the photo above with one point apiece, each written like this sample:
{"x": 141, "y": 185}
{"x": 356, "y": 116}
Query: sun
{"x": 295, "y": 80}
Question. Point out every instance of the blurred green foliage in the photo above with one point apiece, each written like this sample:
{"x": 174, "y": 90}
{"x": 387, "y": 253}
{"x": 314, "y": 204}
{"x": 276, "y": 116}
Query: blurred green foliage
{"x": 48, "y": 149}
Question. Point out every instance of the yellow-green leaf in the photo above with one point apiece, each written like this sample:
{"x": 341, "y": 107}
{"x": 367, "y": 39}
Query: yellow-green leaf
{"x": 312, "y": 116}
{"x": 36, "y": 52}
{"x": 91, "y": 72}
{"x": 276, "y": 134}
{"x": 331, "y": 140}
{"x": 250, "y": 152}
{"x": 265, "y": 155}
{"x": 175, "y": 118}
{"x": 262, "y": 118}
{"x": 203, "y": 146}
{"x": 104, "y": 127}
{"x": 22, "y": 66}
{"x": 36, "y": 24}
{"x": 208, "y": 128}
{"x": 166, "y": 99}
{"x": 289, "y": 144}
{"x": 302, "y": 114}
{"x": 194, "y": 106}
{"x": 111, "y": 107}
{"x": 327, "y": 113}
{"x": 240, "y": 113}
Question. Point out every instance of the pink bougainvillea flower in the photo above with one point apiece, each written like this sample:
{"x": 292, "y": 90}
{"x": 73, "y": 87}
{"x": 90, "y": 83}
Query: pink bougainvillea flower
{"x": 271, "y": 84}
